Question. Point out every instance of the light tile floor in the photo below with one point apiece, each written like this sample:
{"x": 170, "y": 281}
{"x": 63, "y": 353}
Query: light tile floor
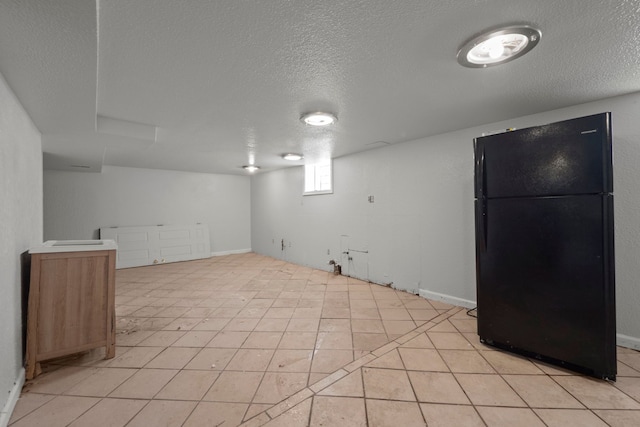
{"x": 247, "y": 339}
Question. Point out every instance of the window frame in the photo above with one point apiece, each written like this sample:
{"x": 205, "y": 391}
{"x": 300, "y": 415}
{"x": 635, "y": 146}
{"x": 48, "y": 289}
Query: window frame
{"x": 317, "y": 178}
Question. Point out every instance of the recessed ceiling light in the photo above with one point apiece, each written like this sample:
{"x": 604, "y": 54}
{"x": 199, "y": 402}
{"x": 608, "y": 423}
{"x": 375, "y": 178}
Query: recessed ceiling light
{"x": 498, "y": 46}
{"x": 251, "y": 168}
{"x": 292, "y": 156}
{"x": 318, "y": 118}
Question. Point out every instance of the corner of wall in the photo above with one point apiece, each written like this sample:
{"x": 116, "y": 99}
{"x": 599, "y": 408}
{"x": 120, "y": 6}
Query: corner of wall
{"x": 237, "y": 251}
{"x": 14, "y": 394}
{"x": 627, "y": 341}
{"x": 447, "y": 298}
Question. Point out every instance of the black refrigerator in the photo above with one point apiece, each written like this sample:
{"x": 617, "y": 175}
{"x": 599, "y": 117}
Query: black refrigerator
{"x": 544, "y": 243}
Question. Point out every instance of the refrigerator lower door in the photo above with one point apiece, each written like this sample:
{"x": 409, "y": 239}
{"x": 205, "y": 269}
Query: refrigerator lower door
{"x": 545, "y": 283}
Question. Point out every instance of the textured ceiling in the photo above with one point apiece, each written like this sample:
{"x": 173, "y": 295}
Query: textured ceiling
{"x": 208, "y": 86}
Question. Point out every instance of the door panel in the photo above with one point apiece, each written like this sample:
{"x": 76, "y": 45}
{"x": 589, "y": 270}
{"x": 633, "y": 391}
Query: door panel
{"x": 569, "y": 157}
{"x": 155, "y": 244}
{"x": 542, "y": 284}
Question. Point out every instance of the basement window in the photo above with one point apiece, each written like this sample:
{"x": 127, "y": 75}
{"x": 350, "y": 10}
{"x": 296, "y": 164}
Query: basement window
{"x": 318, "y": 178}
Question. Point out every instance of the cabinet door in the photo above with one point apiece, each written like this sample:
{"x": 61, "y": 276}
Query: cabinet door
{"x": 73, "y": 303}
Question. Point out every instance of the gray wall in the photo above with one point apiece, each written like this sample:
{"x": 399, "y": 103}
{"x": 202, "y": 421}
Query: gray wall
{"x": 20, "y": 228}
{"x": 77, "y": 204}
{"x": 419, "y": 232}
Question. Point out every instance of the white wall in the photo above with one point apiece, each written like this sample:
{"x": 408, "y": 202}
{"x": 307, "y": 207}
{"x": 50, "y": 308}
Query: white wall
{"x": 20, "y": 228}
{"x": 419, "y": 231}
{"x": 77, "y": 204}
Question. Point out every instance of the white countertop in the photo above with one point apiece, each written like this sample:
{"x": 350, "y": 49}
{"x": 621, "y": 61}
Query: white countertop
{"x": 55, "y": 246}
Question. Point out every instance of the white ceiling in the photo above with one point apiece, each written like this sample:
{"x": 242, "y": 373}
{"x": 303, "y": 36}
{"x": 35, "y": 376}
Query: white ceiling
{"x": 219, "y": 82}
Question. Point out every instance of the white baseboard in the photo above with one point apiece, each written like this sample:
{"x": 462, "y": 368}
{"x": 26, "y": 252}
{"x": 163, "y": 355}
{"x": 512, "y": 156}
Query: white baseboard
{"x": 621, "y": 339}
{"x": 236, "y": 251}
{"x": 447, "y": 298}
{"x": 5, "y": 415}
{"x": 627, "y": 341}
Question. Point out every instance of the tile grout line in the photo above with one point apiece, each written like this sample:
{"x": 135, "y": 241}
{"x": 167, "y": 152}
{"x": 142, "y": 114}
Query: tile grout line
{"x": 413, "y": 390}
{"x": 188, "y": 284}
{"x": 460, "y": 385}
{"x": 448, "y": 314}
{"x": 265, "y": 372}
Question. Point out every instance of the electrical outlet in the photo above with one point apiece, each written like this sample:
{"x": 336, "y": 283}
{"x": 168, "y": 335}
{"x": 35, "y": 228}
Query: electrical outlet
{"x": 328, "y": 252}
{"x": 371, "y": 199}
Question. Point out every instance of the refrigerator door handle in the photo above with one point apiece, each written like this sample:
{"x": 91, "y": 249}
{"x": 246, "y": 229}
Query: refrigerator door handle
{"x": 485, "y": 223}
{"x": 481, "y": 221}
{"x": 481, "y": 173}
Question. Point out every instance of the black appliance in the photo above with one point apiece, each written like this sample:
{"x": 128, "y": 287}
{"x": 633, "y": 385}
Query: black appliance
{"x": 544, "y": 243}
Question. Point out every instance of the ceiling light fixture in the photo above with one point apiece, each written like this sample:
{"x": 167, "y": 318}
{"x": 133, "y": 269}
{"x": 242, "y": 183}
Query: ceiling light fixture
{"x": 251, "y": 168}
{"x": 292, "y": 156}
{"x": 318, "y": 118}
{"x": 498, "y": 46}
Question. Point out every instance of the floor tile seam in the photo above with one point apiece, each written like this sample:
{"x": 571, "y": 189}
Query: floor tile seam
{"x": 553, "y": 378}
{"x": 609, "y": 409}
{"x": 328, "y": 385}
{"x": 68, "y": 392}
{"x": 75, "y": 383}
{"x": 151, "y": 400}
{"x": 13, "y": 421}
{"x": 366, "y": 412}
{"x": 404, "y": 366}
{"x": 454, "y": 404}
{"x": 85, "y": 411}
{"x": 413, "y": 390}
{"x": 246, "y": 411}
{"x": 522, "y": 398}
{"x": 165, "y": 348}
{"x": 472, "y": 349}
{"x": 584, "y": 406}
{"x": 444, "y": 316}
{"x": 417, "y": 402}
{"x": 536, "y": 409}
{"x": 457, "y": 380}
{"x": 311, "y": 397}
{"x": 628, "y": 366}
{"x": 455, "y": 349}
{"x": 593, "y": 412}
{"x": 153, "y": 397}
{"x": 264, "y": 374}
{"x": 364, "y": 356}
{"x": 506, "y": 407}
{"x": 637, "y": 400}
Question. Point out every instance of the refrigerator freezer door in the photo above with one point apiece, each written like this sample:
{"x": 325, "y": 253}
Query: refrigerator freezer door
{"x": 543, "y": 287}
{"x": 569, "y": 157}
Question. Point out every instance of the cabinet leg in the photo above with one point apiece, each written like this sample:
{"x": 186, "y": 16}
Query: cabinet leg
{"x": 110, "y": 351}
{"x": 30, "y": 369}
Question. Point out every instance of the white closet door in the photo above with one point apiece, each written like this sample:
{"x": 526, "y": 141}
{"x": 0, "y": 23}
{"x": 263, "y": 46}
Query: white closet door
{"x": 157, "y": 244}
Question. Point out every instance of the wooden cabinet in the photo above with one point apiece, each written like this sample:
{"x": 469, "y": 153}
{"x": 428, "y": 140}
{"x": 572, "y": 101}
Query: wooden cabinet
{"x": 71, "y": 301}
